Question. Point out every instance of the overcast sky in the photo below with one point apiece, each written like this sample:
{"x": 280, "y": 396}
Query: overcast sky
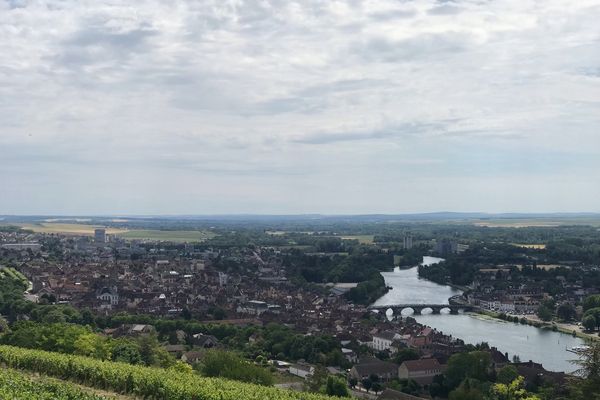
{"x": 202, "y": 107}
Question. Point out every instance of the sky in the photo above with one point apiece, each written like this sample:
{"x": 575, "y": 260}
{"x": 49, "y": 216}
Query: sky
{"x": 290, "y": 107}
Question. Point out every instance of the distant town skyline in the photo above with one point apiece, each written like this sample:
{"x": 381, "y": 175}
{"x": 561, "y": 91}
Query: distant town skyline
{"x": 342, "y": 107}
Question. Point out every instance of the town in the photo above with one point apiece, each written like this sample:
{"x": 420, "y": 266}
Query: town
{"x": 225, "y": 295}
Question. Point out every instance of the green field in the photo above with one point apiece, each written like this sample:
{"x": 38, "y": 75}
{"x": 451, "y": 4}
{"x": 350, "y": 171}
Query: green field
{"x": 140, "y": 234}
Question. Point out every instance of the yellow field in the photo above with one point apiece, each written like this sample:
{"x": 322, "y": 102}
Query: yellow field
{"x": 139, "y": 234}
{"x": 363, "y": 239}
{"x": 530, "y": 246}
{"x": 68, "y": 229}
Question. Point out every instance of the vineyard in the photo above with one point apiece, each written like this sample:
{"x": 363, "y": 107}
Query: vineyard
{"x": 144, "y": 382}
{"x": 15, "y": 385}
{"x": 14, "y": 275}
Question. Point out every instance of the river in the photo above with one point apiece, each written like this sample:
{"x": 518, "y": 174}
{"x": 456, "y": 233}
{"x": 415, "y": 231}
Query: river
{"x": 529, "y": 343}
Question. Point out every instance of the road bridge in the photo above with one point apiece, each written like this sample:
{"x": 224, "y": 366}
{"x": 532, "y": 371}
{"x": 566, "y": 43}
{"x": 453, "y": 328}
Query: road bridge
{"x": 418, "y": 308}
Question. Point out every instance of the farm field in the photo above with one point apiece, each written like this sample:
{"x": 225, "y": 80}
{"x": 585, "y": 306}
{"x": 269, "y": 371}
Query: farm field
{"x": 139, "y": 234}
{"x": 173, "y": 236}
{"x": 530, "y": 246}
{"x": 536, "y": 222}
{"x": 363, "y": 239}
{"x": 68, "y": 229}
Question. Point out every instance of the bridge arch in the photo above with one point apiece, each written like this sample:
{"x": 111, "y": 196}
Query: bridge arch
{"x": 445, "y": 310}
{"x": 427, "y": 310}
{"x": 407, "y": 311}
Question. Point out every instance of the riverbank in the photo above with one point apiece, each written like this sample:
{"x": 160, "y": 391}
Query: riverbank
{"x": 568, "y": 329}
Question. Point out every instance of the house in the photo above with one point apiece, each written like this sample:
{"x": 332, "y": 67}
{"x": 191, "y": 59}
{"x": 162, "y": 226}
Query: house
{"x": 108, "y": 296}
{"x": 253, "y": 307}
{"x": 175, "y": 349}
{"x": 535, "y": 373}
{"x": 302, "y": 370}
{"x": 141, "y": 329}
{"x": 383, "y": 340}
{"x": 499, "y": 359}
{"x": 422, "y": 371}
{"x": 350, "y": 355}
{"x": 386, "y": 371}
{"x": 204, "y": 341}
{"x": 192, "y": 357}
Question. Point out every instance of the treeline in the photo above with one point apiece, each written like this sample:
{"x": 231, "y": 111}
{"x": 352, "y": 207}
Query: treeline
{"x": 358, "y": 266}
{"x": 81, "y": 340}
{"x": 368, "y": 291}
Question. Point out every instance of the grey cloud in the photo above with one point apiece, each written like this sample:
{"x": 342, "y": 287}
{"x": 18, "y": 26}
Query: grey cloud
{"x": 424, "y": 46}
{"x": 445, "y": 9}
{"x": 99, "y": 43}
{"x": 392, "y": 15}
{"x": 391, "y": 132}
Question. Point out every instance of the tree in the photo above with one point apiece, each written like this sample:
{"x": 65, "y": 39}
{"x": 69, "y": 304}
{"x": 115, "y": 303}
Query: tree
{"x": 544, "y": 313}
{"x": 367, "y": 383}
{"x": 406, "y": 355}
{"x": 352, "y": 382}
{"x": 93, "y": 345}
{"x": 227, "y": 364}
{"x": 511, "y": 391}
{"x": 588, "y": 387}
{"x": 466, "y": 392}
{"x": 336, "y": 387}
{"x": 376, "y": 387}
{"x": 181, "y": 368}
{"x": 592, "y": 301}
{"x": 475, "y": 365}
{"x": 593, "y": 312}
{"x": 589, "y": 322}
{"x": 566, "y": 312}
{"x": 507, "y": 374}
{"x": 126, "y": 351}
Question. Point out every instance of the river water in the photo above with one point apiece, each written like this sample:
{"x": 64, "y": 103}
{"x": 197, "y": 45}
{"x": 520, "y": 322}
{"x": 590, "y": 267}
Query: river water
{"x": 529, "y": 343}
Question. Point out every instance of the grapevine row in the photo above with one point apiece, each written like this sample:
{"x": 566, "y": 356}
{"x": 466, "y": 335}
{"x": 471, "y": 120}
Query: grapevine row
{"x": 145, "y": 382}
{"x": 17, "y": 386}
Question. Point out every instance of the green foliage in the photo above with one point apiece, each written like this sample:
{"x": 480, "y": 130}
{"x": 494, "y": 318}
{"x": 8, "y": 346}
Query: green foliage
{"x": 93, "y": 345}
{"x": 591, "y": 302}
{"x": 59, "y": 337}
{"x": 588, "y": 387}
{"x": 336, "y": 387}
{"x": 127, "y": 352}
{"x": 595, "y": 313}
{"x": 566, "y": 312}
{"x": 511, "y": 391}
{"x": 544, "y": 313}
{"x": 15, "y": 385}
{"x": 472, "y": 365}
{"x": 226, "y": 364}
{"x": 507, "y": 374}
{"x": 406, "y": 355}
{"x": 589, "y": 322}
{"x": 368, "y": 291}
{"x": 139, "y": 381}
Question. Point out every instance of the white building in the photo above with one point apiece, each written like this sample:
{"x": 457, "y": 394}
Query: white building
{"x": 383, "y": 340}
{"x": 304, "y": 371}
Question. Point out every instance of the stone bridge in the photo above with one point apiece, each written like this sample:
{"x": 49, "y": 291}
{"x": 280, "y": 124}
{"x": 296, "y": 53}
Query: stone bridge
{"x": 418, "y": 308}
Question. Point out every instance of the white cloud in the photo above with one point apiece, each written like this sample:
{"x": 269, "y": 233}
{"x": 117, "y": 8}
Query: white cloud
{"x": 258, "y": 101}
